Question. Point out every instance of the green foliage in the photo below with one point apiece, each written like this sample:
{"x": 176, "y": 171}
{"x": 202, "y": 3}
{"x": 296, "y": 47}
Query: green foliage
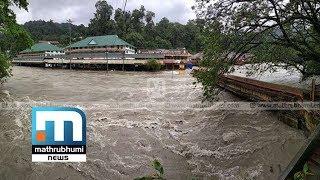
{"x": 137, "y": 27}
{"x": 102, "y": 23}
{"x": 298, "y": 176}
{"x": 158, "y": 176}
{"x": 4, "y": 66}
{"x": 136, "y": 39}
{"x": 153, "y": 65}
{"x": 7, "y": 16}
{"x": 213, "y": 63}
{"x": 312, "y": 67}
{"x": 276, "y": 33}
{"x": 157, "y": 166}
{"x": 162, "y": 43}
{"x": 13, "y": 37}
{"x": 136, "y": 22}
{"x": 52, "y": 31}
{"x": 121, "y": 19}
{"x": 301, "y": 175}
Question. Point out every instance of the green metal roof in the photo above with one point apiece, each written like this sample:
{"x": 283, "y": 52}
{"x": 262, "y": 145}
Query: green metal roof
{"x": 42, "y": 47}
{"x": 108, "y": 40}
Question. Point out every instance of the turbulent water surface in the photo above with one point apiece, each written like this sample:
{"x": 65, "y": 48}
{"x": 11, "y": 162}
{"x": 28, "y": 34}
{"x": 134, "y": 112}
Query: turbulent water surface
{"x": 136, "y": 117}
{"x": 278, "y": 75}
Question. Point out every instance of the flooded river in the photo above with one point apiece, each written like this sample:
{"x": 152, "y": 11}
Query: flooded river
{"x": 136, "y": 117}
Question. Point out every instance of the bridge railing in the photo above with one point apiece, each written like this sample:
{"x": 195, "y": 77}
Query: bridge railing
{"x": 261, "y": 90}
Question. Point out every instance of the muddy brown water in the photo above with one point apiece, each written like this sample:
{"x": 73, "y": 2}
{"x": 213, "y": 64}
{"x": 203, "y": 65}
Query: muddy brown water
{"x": 136, "y": 117}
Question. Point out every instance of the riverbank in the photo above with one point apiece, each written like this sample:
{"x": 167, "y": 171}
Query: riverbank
{"x": 125, "y": 135}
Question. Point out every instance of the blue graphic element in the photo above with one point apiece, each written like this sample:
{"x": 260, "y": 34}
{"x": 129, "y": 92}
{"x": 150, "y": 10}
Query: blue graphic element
{"x": 49, "y": 130}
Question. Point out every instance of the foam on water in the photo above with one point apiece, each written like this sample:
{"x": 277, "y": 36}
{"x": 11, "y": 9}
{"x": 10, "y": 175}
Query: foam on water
{"x": 278, "y": 75}
{"x": 125, "y": 136}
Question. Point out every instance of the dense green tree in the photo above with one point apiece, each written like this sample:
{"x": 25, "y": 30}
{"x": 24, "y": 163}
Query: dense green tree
{"x": 4, "y": 66}
{"x": 149, "y": 18}
{"x": 13, "y": 37}
{"x": 102, "y": 23}
{"x": 151, "y": 44}
{"x": 136, "y": 39}
{"x": 16, "y": 39}
{"x": 150, "y": 31}
{"x": 194, "y": 36}
{"x": 137, "y": 27}
{"x": 137, "y": 18}
{"x": 52, "y": 31}
{"x": 120, "y": 21}
{"x": 276, "y": 32}
{"x": 178, "y": 35}
{"x": 163, "y": 28}
{"x": 162, "y": 43}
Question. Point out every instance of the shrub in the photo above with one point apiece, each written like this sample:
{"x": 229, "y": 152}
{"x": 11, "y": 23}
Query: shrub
{"x": 158, "y": 175}
{"x": 4, "y": 66}
{"x": 153, "y": 65}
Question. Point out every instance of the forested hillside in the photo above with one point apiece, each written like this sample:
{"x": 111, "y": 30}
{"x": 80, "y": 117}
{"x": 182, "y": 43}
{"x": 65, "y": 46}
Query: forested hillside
{"x": 136, "y": 27}
{"x": 42, "y": 30}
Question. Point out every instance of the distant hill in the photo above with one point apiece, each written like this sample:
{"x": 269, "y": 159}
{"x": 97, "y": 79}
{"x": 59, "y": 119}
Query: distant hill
{"x": 52, "y": 31}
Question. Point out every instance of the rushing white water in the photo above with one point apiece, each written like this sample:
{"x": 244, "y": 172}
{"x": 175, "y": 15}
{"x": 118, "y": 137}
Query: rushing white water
{"x": 290, "y": 77}
{"x": 136, "y": 117}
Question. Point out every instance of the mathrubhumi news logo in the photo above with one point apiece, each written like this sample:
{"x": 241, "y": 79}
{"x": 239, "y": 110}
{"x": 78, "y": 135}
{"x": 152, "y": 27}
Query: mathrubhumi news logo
{"x": 58, "y": 134}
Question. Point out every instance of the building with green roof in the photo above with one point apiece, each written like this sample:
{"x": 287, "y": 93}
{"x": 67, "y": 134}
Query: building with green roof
{"x": 98, "y": 46}
{"x": 42, "y": 48}
{"x": 41, "y": 51}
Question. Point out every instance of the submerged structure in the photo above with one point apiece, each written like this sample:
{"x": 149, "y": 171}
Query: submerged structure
{"x": 100, "y": 47}
{"x": 169, "y": 54}
{"x": 39, "y": 53}
{"x": 102, "y": 52}
{"x": 171, "y": 58}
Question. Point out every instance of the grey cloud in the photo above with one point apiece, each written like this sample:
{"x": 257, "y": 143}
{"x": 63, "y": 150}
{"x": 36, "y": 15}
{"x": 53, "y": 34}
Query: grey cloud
{"x": 81, "y": 11}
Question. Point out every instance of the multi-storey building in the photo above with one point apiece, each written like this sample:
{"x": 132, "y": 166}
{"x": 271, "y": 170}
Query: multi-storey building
{"x": 40, "y": 52}
{"x": 99, "y": 47}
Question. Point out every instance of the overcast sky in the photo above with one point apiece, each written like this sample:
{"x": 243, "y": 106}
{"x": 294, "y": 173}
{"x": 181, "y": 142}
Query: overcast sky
{"x": 81, "y": 11}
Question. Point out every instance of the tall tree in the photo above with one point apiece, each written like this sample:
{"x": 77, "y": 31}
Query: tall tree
{"x": 277, "y": 32}
{"x": 150, "y": 26}
{"x": 194, "y": 35}
{"x": 102, "y": 23}
{"x": 16, "y": 39}
{"x": 164, "y": 28}
{"x": 137, "y": 39}
{"x": 14, "y": 36}
{"x": 150, "y": 31}
{"x": 162, "y": 43}
{"x": 178, "y": 34}
{"x": 119, "y": 19}
{"x": 149, "y": 18}
{"x": 128, "y": 25}
{"x": 137, "y": 18}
